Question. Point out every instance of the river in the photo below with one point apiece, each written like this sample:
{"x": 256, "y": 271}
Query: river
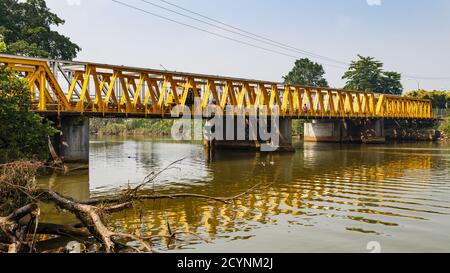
{"x": 323, "y": 198}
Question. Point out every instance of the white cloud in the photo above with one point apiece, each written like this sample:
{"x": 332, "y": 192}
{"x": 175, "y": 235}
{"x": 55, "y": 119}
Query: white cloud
{"x": 374, "y": 2}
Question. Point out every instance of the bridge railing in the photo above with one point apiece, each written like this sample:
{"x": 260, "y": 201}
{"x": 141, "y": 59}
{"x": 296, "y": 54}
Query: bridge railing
{"x": 100, "y": 89}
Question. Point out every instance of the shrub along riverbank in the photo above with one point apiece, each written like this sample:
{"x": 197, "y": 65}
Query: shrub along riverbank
{"x": 23, "y": 134}
{"x": 143, "y": 127}
{"x": 162, "y": 127}
{"x": 130, "y": 127}
{"x": 445, "y": 129}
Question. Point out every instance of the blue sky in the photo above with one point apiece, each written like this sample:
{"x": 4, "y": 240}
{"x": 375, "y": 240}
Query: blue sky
{"x": 408, "y": 36}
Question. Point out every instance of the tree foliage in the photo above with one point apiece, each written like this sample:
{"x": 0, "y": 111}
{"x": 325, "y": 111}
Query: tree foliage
{"x": 26, "y": 29}
{"x": 23, "y": 134}
{"x": 2, "y": 45}
{"x": 119, "y": 127}
{"x": 306, "y": 72}
{"x": 367, "y": 74}
{"x": 440, "y": 99}
{"x": 445, "y": 127}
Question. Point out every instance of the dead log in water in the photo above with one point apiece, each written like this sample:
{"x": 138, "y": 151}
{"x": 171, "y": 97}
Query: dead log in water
{"x": 13, "y": 234}
{"x": 17, "y": 235}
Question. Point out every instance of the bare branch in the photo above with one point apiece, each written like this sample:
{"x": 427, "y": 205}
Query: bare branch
{"x": 14, "y": 236}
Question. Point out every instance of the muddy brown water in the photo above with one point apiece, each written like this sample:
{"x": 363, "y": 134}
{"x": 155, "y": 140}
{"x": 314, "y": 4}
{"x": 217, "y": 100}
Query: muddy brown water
{"x": 323, "y": 198}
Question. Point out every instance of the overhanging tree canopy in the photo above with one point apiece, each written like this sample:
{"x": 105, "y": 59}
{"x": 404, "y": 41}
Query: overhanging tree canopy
{"x": 26, "y": 30}
{"x": 23, "y": 134}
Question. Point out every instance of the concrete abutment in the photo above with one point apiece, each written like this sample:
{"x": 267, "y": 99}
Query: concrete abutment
{"x": 72, "y": 144}
{"x": 344, "y": 131}
{"x": 235, "y": 139}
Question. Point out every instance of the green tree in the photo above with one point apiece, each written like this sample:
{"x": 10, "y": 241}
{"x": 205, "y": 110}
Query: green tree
{"x": 26, "y": 29}
{"x": 367, "y": 74}
{"x": 2, "y": 45}
{"x": 306, "y": 72}
{"x": 445, "y": 127}
{"x": 23, "y": 134}
{"x": 390, "y": 83}
{"x": 440, "y": 99}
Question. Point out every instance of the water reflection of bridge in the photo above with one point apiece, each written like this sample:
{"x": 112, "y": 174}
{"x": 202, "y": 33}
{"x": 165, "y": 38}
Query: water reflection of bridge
{"x": 347, "y": 185}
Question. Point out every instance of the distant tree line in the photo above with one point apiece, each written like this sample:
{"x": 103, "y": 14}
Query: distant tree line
{"x": 364, "y": 74}
{"x": 440, "y": 99}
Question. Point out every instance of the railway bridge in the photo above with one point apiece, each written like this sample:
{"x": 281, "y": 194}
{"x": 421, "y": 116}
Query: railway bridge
{"x": 70, "y": 93}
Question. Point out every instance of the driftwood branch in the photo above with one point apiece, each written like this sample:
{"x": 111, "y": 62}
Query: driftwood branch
{"x": 14, "y": 236}
{"x": 127, "y": 199}
{"x": 12, "y": 233}
{"x": 90, "y": 214}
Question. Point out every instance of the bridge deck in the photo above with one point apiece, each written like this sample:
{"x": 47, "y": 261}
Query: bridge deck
{"x": 92, "y": 89}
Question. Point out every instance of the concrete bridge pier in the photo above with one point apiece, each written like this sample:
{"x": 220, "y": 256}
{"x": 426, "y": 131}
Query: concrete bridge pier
{"x": 72, "y": 145}
{"x": 233, "y": 137}
{"x": 253, "y": 141}
{"x": 285, "y": 134}
{"x": 373, "y": 131}
{"x": 352, "y": 131}
{"x": 326, "y": 131}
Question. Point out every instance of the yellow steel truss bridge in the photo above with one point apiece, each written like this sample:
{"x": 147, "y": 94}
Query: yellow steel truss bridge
{"x": 92, "y": 89}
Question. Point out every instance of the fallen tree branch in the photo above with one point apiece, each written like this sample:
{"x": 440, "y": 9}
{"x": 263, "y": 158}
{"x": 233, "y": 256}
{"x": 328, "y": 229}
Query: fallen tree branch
{"x": 14, "y": 236}
{"x": 12, "y": 233}
{"x": 89, "y": 215}
{"x": 152, "y": 176}
{"x": 125, "y": 200}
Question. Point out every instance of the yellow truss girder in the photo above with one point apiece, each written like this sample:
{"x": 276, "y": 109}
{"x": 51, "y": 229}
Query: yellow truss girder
{"x": 124, "y": 91}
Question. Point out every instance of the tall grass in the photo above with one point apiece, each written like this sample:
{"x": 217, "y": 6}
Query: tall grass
{"x": 445, "y": 127}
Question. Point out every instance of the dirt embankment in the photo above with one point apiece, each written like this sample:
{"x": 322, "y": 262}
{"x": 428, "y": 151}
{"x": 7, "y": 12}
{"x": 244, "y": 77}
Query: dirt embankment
{"x": 416, "y": 134}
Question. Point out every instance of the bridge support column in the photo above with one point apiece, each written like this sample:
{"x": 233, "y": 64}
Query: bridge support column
{"x": 234, "y": 140}
{"x": 73, "y": 144}
{"x": 285, "y": 134}
{"x": 326, "y": 131}
{"x": 373, "y": 131}
{"x": 366, "y": 131}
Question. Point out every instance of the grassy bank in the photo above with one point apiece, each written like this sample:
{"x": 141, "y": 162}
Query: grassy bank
{"x": 445, "y": 129}
{"x": 130, "y": 127}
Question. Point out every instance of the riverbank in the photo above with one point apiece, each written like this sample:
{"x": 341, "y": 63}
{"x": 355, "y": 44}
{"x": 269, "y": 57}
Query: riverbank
{"x": 130, "y": 127}
{"x": 444, "y": 128}
{"x": 413, "y": 134}
{"x": 162, "y": 128}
